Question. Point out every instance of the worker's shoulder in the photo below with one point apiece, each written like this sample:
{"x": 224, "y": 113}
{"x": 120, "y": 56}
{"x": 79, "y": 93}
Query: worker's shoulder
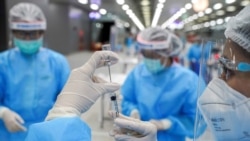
{"x": 52, "y": 53}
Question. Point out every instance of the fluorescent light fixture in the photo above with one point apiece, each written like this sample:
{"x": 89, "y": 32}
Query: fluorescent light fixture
{"x": 157, "y": 15}
{"x": 229, "y": 1}
{"x": 160, "y": 5}
{"x": 206, "y": 24}
{"x": 120, "y": 2}
{"x": 208, "y": 10}
{"x": 129, "y": 11}
{"x": 145, "y": 2}
{"x": 183, "y": 10}
{"x": 103, "y": 11}
{"x": 188, "y": 6}
{"x": 125, "y": 7}
{"x": 245, "y": 3}
{"x": 217, "y": 6}
{"x": 83, "y": 1}
{"x": 94, "y": 6}
{"x": 231, "y": 8}
{"x": 219, "y": 21}
{"x": 220, "y": 13}
{"x": 200, "y": 14}
{"x": 137, "y": 22}
{"x": 162, "y": 1}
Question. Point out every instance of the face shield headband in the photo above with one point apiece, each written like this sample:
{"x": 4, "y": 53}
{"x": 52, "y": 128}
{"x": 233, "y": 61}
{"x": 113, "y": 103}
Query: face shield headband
{"x": 164, "y": 48}
{"x": 28, "y": 26}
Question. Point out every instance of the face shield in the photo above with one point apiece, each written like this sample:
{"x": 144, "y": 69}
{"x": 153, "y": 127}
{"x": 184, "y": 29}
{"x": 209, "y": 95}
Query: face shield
{"x": 223, "y": 111}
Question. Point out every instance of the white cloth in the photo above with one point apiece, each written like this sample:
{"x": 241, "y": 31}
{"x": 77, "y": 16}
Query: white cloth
{"x": 226, "y": 111}
{"x": 82, "y": 88}
{"x": 129, "y": 129}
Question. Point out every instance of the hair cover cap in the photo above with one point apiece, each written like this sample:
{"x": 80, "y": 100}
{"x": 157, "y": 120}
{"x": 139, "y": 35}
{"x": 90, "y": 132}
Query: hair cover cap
{"x": 157, "y": 38}
{"x": 26, "y": 16}
{"x": 238, "y": 28}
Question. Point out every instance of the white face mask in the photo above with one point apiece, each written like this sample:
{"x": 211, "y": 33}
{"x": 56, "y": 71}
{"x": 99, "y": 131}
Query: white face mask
{"x": 226, "y": 112}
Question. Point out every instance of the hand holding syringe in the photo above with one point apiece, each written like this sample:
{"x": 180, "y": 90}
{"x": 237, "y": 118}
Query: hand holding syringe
{"x": 113, "y": 96}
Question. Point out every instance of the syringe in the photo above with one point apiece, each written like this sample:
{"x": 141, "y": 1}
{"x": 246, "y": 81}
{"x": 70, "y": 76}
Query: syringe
{"x": 113, "y": 96}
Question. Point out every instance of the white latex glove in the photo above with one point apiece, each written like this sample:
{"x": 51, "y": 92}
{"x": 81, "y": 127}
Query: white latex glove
{"x": 135, "y": 114}
{"x": 82, "y": 88}
{"x": 130, "y": 129}
{"x": 13, "y": 121}
{"x": 162, "y": 124}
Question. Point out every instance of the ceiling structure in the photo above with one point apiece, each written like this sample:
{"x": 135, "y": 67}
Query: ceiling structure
{"x": 174, "y": 14}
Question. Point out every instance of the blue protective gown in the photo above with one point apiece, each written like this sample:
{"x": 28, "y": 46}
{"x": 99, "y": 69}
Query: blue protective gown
{"x": 194, "y": 56}
{"x": 171, "y": 94}
{"x": 60, "y": 129}
{"x": 29, "y": 85}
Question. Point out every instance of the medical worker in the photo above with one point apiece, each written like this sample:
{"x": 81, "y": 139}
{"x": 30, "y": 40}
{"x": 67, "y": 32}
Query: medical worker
{"x": 225, "y": 104}
{"x": 194, "y": 55}
{"x": 160, "y": 90}
{"x": 81, "y": 91}
{"x": 31, "y": 76}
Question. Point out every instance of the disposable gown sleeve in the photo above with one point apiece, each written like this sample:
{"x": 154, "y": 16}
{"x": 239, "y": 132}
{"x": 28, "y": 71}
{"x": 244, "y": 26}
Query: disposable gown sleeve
{"x": 184, "y": 123}
{"x": 128, "y": 92}
{"x": 60, "y": 129}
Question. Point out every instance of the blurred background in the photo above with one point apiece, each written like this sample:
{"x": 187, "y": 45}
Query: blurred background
{"x": 76, "y": 28}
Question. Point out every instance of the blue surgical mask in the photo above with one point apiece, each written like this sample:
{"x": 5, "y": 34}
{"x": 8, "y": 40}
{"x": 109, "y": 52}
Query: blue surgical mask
{"x": 154, "y": 65}
{"x": 28, "y": 47}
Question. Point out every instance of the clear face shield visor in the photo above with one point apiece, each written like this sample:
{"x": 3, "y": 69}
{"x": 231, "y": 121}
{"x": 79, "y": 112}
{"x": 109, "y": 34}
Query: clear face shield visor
{"x": 223, "y": 112}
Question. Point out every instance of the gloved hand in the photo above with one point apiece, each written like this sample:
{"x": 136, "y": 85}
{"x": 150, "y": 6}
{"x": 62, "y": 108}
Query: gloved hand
{"x": 162, "y": 124}
{"x": 129, "y": 129}
{"x": 82, "y": 88}
{"x": 135, "y": 114}
{"x": 13, "y": 122}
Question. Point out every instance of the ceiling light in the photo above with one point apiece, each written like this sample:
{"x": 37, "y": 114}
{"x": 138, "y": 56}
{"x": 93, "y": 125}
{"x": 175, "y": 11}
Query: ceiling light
{"x": 120, "y": 2}
{"x": 129, "y": 11}
{"x": 162, "y": 1}
{"x": 227, "y": 19}
{"x": 244, "y": 3}
{"x": 231, "y": 8}
{"x": 160, "y": 5}
{"x": 103, "y": 11}
{"x": 200, "y": 14}
{"x": 156, "y": 17}
{"x": 125, "y": 7}
{"x": 188, "y": 6}
{"x": 145, "y": 2}
{"x": 217, "y": 6}
{"x": 94, "y": 6}
{"x": 220, "y": 13}
{"x": 219, "y": 21}
{"x": 126, "y": 24}
{"x": 208, "y": 10}
{"x": 194, "y": 1}
{"x": 212, "y": 23}
{"x": 229, "y": 1}
{"x": 83, "y": 1}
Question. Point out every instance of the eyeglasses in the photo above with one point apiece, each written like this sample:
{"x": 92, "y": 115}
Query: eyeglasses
{"x": 233, "y": 65}
{"x": 150, "y": 54}
{"x": 27, "y": 34}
